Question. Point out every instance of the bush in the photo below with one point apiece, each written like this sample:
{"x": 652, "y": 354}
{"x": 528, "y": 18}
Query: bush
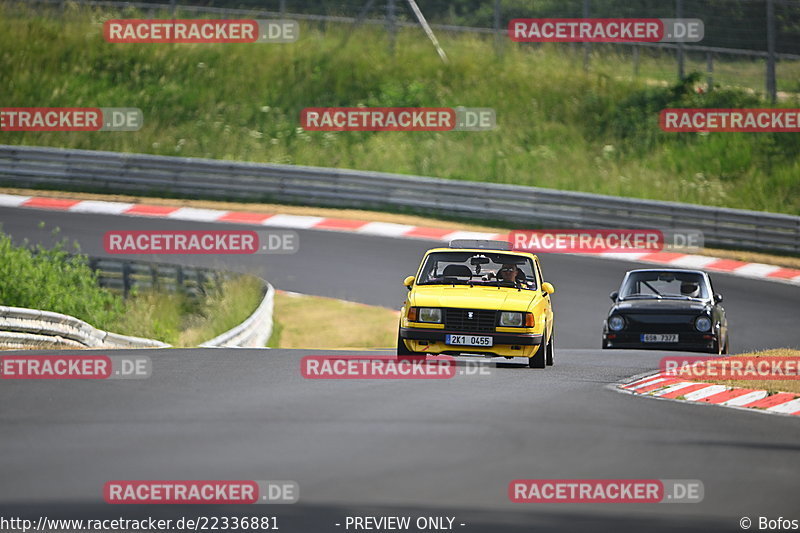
{"x": 54, "y": 280}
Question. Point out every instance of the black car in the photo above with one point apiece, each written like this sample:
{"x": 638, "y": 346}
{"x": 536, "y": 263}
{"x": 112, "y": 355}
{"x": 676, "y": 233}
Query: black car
{"x": 667, "y": 309}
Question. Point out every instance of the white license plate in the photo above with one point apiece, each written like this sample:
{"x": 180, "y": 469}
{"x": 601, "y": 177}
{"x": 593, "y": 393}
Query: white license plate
{"x": 468, "y": 340}
{"x": 659, "y": 337}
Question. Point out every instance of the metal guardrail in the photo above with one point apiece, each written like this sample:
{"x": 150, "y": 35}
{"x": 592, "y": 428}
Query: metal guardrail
{"x": 22, "y": 328}
{"x": 26, "y": 328}
{"x": 518, "y": 206}
{"x": 125, "y": 275}
{"x": 254, "y": 332}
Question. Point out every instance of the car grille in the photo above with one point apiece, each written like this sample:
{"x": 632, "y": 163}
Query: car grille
{"x": 666, "y": 323}
{"x": 459, "y": 319}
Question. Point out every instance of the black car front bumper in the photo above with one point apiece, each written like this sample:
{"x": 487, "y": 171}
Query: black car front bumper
{"x": 687, "y": 341}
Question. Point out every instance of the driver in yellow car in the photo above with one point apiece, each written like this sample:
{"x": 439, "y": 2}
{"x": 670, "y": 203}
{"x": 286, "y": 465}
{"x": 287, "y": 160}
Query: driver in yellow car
{"x": 508, "y": 272}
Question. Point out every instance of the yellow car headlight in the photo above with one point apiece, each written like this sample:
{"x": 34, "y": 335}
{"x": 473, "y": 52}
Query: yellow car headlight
{"x": 512, "y": 319}
{"x": 430, "y": 314}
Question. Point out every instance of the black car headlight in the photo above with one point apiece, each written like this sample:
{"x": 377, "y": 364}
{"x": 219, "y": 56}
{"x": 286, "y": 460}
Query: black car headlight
{"x": 430, "y": 314}
{"x": 702, "y": 323}
{"x": 616, "y": 323}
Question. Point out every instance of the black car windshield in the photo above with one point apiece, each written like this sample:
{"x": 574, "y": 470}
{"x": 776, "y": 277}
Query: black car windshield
{"x": 664, "y": 284}
{"x": 478, "y": 268}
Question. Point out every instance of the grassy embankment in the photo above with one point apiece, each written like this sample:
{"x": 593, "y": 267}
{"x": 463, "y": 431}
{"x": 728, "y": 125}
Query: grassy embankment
{"x": 558, "y": 126}
{"x": 772, "y": 386}
{"x": 337, "y": 324}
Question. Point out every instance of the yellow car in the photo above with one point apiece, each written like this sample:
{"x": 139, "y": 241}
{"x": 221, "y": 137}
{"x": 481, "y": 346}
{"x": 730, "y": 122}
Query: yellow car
{"x": 478, "y": 297}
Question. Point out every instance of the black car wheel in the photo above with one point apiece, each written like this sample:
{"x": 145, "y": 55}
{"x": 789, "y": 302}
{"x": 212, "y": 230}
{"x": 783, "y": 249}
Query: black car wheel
{"x": 718, "y": 349}
{"x": 538, "y": 359}
{"x": 550, "y": 352}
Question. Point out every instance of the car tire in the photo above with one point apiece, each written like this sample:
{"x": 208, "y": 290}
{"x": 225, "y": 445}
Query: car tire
{"x": 725, "y": 348}
{"x": 605, "y": 344}
{"x": 538, "y": 360}
{"x": 401, "y": 346}
{"x": 550, "y": 351}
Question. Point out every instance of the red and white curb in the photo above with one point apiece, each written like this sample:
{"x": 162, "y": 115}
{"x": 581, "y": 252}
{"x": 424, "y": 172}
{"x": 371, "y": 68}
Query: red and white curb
{"x": 668, "y": 386}
{"x": 382, "y": 229}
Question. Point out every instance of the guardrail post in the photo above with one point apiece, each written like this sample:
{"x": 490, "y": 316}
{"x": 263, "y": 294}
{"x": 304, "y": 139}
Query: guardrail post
{"x": 179, "y": 279}
{"x": 709, "y": 72}
{"x": 154, "y": 277}
{"x": 126, "y": 279}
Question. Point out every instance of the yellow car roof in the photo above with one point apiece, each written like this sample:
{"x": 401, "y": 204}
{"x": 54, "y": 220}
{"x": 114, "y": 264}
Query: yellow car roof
{"x": 481, "y": 250}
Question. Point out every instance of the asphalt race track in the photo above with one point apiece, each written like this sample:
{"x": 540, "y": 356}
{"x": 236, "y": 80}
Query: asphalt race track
{"x": 406, "y": 447}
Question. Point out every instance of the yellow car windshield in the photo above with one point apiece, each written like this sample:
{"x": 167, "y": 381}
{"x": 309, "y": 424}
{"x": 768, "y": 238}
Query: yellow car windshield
{"x": 478, "y": 268}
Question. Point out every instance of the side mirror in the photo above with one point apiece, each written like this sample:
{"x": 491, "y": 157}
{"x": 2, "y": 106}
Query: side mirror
{"x": 548, "y": 288}
{"x": 717, "y": 298}
{"x": 613, "y": 296}
{"x": 408, "y": 282}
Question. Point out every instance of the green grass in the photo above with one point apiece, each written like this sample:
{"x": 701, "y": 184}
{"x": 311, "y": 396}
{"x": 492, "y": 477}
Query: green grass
{"x": 182, "y": 321}
{"x": 337, "y": 324}
{"x": 558, "y": 127}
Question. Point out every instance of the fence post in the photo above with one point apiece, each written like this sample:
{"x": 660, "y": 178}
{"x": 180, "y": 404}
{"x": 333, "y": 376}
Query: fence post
{"x": 497, "y": 41}
{"x": 282, "y": 7}
{"x": 636, "y": 61}
{"x": 709, "y": 71}
{"x": 772, "y": 89}
{"x": 390, "y": 24}
{"x": 679, "y": 14}
{"x": 586, "y": 45}
{"x": 172, "y": 7}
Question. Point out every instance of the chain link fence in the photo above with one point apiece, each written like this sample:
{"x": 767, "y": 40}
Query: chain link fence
{"x": 749, "y": 43}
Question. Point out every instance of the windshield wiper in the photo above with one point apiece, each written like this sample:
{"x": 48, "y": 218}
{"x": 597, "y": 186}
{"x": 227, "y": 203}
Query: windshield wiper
{"x": 642, "y": 296}
{"x": 652, "y": 288}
